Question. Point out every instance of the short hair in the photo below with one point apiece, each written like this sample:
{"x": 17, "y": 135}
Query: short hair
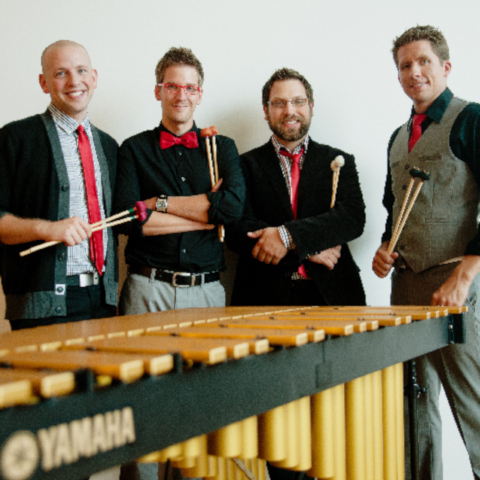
{"x": 57, "y": 44}
{"x": 427, "y": 32}
{"x": 285, "y": 74}
{"x": 178, "y": 56}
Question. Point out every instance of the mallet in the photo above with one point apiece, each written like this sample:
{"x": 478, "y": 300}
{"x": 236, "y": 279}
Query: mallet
{"x": 139, "y": 212}
{"x": 336, "y": 165}
{"x": 212, "y": 165}
{"x": 206, "y": 133}
{"x": 415, "y": 172}
{"x": 214, "y": 130}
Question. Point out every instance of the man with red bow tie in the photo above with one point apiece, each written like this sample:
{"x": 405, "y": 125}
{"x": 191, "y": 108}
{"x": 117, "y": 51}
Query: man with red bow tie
{"x": 175, "y": 256}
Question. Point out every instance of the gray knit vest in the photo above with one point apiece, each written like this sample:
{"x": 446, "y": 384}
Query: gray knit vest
{"x": 444, "y": 217}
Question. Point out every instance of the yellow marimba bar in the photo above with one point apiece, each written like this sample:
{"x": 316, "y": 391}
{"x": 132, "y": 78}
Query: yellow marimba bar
{"x": 352, "y": 431}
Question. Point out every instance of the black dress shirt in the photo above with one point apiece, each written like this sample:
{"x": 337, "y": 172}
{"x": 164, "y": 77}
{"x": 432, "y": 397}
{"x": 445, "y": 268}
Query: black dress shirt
{"x": 146, "y": 171}
{"x": 465, "y": 145}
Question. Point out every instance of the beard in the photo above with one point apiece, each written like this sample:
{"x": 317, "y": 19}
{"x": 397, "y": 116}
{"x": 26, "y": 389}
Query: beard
{"x": 290, "y": 134}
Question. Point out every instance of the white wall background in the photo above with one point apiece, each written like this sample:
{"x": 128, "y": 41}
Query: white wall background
{"x": 341, "y": 46}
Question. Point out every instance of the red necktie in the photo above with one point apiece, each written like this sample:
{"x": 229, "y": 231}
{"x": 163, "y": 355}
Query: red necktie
{"x": 416, "y": 130}
{"x": 189, "y": 140}
{"x": 96, "y": 240}
{"x": 295, "y": 179}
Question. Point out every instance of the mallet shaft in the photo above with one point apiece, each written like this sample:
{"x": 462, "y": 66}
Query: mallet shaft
{"x": 113, "y": 224}
{"x": 210, "y": 163}
{"x": 113, "y": 217}
{"x": 394, "y": 240}
{"x": 336, "y": 174}
{"x": 215, "y": 164}
{"x": 402, "y": 211}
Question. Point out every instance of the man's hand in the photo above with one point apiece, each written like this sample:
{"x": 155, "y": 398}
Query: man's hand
{"x": 15, "y": 230}
{"x": 328, "y": 257}
{"x": 383, "y": 262}
{"x": 150, "y": 203}
{"x": 70, "y": 231}
{"x": 269, "y": 247}
{"x": 454, "y": 291}
{"x": 217, "y": 186}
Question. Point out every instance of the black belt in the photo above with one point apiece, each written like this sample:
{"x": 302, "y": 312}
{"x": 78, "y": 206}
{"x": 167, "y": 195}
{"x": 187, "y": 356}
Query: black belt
{"x": 176, "y": 279}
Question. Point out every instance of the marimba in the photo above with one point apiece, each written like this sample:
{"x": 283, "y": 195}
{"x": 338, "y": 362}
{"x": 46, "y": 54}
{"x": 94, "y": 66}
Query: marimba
{"x": 84, "y": 396}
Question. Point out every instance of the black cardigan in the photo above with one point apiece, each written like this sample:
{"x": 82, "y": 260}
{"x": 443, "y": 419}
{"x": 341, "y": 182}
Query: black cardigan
{"x": 34, "y": 184}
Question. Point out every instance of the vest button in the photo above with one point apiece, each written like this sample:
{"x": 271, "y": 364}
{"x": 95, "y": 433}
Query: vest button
{"x": 58, "y": 310}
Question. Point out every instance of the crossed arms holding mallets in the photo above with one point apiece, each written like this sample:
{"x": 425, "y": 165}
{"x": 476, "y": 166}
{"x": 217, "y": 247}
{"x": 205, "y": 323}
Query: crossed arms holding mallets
{"x": 270, "y": 247}
{"x": 189, "y": 213}
{"x": 185, "y": 214}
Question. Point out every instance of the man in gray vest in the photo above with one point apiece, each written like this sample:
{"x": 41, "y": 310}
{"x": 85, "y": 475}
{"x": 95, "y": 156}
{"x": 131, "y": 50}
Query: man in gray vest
{"x": 438, "y": 257}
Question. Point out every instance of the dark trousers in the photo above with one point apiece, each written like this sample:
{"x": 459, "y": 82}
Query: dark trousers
{"x": 304, "y": 293}
{"x": 83, "y": 303}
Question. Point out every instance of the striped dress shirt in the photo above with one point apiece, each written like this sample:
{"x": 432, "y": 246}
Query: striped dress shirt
{"x": 78, "y": 256}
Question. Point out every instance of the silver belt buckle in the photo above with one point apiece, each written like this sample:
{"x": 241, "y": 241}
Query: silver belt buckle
{"x": 88, "y": 279}
{"x": 182, "y": 274}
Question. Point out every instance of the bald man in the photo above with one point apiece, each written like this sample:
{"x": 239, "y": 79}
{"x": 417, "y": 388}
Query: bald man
{"x": 45, "y": 162}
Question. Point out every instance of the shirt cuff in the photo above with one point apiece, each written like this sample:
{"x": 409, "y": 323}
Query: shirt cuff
{"x": 286, "y": 237}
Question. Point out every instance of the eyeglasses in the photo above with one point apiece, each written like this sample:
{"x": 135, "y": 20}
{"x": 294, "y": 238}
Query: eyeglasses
{"x": 174, "y": 88}
{"x": 296, "y": 103}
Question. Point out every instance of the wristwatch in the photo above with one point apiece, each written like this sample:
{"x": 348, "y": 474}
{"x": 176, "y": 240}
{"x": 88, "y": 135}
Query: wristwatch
{"x": 161, "y": 203}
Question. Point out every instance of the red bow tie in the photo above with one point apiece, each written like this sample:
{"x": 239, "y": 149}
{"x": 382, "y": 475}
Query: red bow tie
{"x": 189, "y": 140}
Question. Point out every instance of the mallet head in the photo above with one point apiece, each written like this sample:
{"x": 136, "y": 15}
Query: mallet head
{"x": 206, "y": 133}
{"x": 141, "y": 211}
{"x": 416, "y": 172}
{"x": 337, "y": 163}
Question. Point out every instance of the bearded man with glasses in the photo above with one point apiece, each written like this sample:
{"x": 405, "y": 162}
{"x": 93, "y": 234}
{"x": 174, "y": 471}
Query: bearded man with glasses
{"x": 175, "y": 256}
{"x": 292, "y": 244}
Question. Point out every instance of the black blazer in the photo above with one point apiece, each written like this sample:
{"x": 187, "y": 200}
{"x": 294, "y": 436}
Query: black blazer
{"x": 317, "y": 227}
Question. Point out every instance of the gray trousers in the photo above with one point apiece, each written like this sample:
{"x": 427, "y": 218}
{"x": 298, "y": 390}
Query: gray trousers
{"x": 456, "y": 367}
{"x": 142, "y": 295}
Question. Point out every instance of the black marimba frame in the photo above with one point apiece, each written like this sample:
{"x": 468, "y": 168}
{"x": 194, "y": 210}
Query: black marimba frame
{"x": 185, "y": 403}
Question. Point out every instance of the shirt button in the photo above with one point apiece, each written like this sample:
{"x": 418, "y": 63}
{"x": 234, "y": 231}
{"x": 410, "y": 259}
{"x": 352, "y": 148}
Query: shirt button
{"x": 183, "y": 250}
{"x": 58, "y": 310}
{"x": 180, "y": 153}
{"x": 65, "y": 188}
{"x": 183, "y": 179}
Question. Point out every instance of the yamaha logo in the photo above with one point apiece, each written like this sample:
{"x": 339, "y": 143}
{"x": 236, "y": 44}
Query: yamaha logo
{"x": 65, "y": 443}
